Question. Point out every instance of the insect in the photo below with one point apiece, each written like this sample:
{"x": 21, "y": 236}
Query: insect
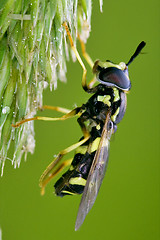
{"x": 98, "y": 119}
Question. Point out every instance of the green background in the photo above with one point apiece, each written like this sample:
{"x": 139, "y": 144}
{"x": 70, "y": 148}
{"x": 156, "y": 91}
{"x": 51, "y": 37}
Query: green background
{"x": 128, "y": 205}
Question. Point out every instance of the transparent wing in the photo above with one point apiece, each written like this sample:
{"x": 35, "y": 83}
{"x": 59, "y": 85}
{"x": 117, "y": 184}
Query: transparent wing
{"x": 96, "y": 174}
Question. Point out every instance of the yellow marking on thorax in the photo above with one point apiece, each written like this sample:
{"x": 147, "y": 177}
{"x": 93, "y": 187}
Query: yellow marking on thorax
{"x": 113, "y": 117}
{"x": 98, "y": 127}
{"x": 95, "y": 144}
{"x": 105, "y": 99}
{"x": 77, "y": 181}
{"x": 81, "y": 149}
{"x": 116, "y": 94}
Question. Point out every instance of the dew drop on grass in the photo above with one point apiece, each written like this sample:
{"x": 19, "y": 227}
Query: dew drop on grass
{"x": 6, "y": 110}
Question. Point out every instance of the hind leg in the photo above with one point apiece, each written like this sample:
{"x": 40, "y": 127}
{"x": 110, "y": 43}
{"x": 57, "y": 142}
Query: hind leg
{"x": 50, "y": 171}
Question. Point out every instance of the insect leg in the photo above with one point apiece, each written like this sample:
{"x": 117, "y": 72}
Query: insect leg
{"x": 70, "y": 114}
{"x": 89, "y": 61}
{"x": 84, "y": 83}
{"x": 92, "y": 82}
{"x": 54, "y": 173}
{"x": 47, "y": 174}
{"x": 85, "y": 54}
{"x": 55, "y": 108}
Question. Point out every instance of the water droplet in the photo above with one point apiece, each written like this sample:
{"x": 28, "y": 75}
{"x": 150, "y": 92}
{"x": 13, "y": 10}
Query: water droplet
{"x": 6, "y": 110}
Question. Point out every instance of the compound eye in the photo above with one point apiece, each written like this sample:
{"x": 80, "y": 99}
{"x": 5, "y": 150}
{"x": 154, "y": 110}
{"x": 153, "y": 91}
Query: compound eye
{"x": 113, "y": 76}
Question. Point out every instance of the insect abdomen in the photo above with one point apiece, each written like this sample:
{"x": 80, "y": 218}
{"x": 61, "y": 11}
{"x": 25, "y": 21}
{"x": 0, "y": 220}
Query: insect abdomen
{"x": 74, "y": 180}
{"x": 70, "y": 183}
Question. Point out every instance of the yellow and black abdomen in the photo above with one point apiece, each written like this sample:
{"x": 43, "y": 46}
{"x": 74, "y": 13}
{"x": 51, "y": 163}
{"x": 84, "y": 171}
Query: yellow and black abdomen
{"x": 74, "y": 180}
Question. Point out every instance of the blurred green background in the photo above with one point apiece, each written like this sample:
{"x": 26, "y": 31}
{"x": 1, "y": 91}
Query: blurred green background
{"x": 128, "y": 205}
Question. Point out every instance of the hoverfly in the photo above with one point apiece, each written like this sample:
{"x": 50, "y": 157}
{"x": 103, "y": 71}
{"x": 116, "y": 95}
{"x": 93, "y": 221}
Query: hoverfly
{"x": 98, "y": 119}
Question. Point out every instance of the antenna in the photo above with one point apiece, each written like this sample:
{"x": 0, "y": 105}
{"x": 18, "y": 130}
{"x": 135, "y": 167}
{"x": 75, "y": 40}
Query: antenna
{"x": 136, "y": 53}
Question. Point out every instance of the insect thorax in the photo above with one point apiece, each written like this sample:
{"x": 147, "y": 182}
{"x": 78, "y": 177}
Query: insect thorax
{"x": 95, "y": 110}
